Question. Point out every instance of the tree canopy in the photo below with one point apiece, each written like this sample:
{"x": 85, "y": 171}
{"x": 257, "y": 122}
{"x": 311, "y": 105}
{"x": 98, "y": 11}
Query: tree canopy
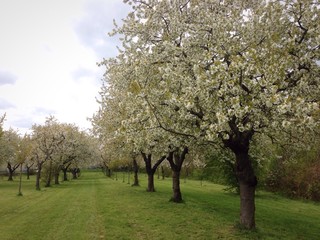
{"x": 216, "y": 72}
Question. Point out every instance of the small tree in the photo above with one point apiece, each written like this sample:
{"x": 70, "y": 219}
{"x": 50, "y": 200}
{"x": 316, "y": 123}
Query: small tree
{"x": 9, "y": 151}
{"x": 46, "y": 139}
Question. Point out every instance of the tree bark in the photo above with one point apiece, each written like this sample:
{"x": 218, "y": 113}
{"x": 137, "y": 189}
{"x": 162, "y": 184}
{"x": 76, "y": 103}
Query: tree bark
{"x": 151, "y": 169}
{"x": 239, "y": 143}
{"x": 56, "y": 175}
{"x": 162, "y": 172}
{"x": 135, "y": 171}
{"x": 177, "y": 197}
{"x": 74, "y": 172}
{"x": 247, "y": 183}
{"x": 176, "y": 159}
{"x": 11, "y": 170}
{"x": 10, "y": 175}
{"x": 48, "y": 183}
{"x": 38, "y": 175}
{"x": 20, "y": 181}
{"x": 65, "y": 170}
{"x": 151, "y": 182}
{"x": 28, "y": 170}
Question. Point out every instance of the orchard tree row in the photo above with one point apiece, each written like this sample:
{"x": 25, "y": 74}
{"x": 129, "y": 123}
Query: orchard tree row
{"x": 193, "y": 75}
{"x": 50, "y": 149}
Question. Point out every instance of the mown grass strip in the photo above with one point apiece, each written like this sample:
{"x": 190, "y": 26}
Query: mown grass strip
{"x": 96, "y": 207}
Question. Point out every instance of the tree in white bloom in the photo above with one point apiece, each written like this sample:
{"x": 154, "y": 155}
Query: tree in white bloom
{"x": 46, "y": 139}
{"x": 125, "y": 117}
{"x": 221, "y": 72}
{"x": 2, "y": 119}
{"x": 76, "y": 150}
{"x": 10, "y": 153}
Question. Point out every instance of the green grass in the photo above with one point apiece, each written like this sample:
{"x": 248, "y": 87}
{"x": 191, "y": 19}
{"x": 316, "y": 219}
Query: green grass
{"x": 96, "y": 207}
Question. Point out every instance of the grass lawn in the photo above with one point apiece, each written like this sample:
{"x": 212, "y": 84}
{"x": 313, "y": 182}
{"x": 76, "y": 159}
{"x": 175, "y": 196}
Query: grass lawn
{"x": 96, "y": 207}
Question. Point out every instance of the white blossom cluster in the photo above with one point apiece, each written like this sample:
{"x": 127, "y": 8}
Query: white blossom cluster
{"x": 204, "y": 70}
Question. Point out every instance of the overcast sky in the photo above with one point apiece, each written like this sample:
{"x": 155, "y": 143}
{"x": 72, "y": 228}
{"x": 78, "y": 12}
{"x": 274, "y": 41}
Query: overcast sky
{"x": 48, "y": 55}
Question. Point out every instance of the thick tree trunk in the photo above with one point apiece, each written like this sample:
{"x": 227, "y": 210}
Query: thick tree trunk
{"x": 247, "y": 205}
{"x": 176, "y": 159}
{"x": 247, "y": 183}
{"x": 239, "y": 143}
{"x": 10, "y": 175}
{"x": 177, "y": 197}
{"x": 151, "y": 170}
{"x": 151, "y": 182}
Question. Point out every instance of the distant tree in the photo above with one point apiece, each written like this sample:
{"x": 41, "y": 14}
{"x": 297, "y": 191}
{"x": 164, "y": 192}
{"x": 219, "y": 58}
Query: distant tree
{"x": 10, "y": 151}
{"x": 76, "y": 150}
{"x": 46, "y": 139}
{"x": 2, "y": 119}
{"x": 26, "y": 153}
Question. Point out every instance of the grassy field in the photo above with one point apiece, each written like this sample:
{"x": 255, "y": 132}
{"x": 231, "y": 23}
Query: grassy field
{"x": 96, "y": 207}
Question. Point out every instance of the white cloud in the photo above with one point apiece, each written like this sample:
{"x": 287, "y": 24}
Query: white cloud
{"x": 49, "y": 50}
{"x": 94, "y": 27}
{"x": 7, "y": 77}
{"x": 4, "y": 104}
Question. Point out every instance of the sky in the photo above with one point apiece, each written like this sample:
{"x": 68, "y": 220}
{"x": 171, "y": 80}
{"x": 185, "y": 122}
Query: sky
{"x": 49, "y": 50}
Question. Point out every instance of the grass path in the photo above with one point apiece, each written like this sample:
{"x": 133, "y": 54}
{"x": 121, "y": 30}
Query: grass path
{"x": 96, "y": 207}
{"x": 68, "y": 211}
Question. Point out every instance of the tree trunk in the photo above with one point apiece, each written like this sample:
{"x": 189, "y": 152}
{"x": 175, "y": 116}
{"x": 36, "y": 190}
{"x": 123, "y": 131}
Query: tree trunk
{"x": 28, "y": 172}
{"x": 65, "y": 170}
{"x": 38, "y": 175}
{"x": 162, "y": 172}
{"x": 239, "y": 143}
{"x": 56, "y": 177}
{"x": 65, "y": 176}
{"x": 176, "y": 159}
{"x": 151, "y": 182}
{"x": 10, "y": 176}
{"x": 20, "y": 181}
{"x": 11, "y": 170}
{"x": 247, "y": 206}
{"x": 151, "y": 170}
{"x": 135, "y": 171}
{"x": 48, "y": 183}
{"x": 247, "y": 183}
{"x": 74, "y": 173}
{"x": 177, "y": 197}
